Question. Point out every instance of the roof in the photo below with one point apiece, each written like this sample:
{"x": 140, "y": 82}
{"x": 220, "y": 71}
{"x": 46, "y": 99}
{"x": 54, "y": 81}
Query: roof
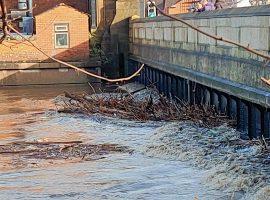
{"x": 62, "y": 4}
{"x": 169, "y": 3}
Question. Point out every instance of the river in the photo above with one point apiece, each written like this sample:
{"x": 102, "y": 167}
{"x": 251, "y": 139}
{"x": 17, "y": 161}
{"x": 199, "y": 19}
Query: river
{"x": 29, "y": 114}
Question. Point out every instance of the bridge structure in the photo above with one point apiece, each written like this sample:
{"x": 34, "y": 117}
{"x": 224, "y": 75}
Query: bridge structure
{"x": 198, "y": 69}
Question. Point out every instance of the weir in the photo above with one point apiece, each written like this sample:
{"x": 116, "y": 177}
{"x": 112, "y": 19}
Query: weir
{"x": 190, "y": 66}
{"x": 46, "y": 73}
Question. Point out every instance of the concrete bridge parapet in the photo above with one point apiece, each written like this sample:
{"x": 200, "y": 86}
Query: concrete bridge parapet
{"x": 174, "y": 48}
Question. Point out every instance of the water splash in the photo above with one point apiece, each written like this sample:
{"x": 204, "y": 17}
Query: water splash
{"x": 232, "y": 164}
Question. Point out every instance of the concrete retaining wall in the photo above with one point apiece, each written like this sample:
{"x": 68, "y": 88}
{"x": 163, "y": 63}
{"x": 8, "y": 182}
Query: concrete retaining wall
{"x": 175, "y": 48}
{"x": 19, "y": 74}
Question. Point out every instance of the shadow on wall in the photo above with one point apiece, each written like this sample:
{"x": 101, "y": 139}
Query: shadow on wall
{"x": 119, "y": 34}
{"x": 79, "y": 53}
{"x": 22, "y": 51}
{"x": 120, "y": 45}
{"x": 107, "y": 14}
{"x": 103, "y": 33}
{"x": 29, "y": 66}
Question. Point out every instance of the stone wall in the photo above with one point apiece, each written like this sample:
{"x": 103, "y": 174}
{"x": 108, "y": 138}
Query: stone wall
{"x": 175, "y": 48}
{"x": 20, "y": 74}
{"x": 119, "y": 31}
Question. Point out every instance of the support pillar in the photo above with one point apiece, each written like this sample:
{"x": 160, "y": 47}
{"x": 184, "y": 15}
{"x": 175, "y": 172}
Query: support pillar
{"x": 265, "y": 123}
{"x": 252, "y": 121}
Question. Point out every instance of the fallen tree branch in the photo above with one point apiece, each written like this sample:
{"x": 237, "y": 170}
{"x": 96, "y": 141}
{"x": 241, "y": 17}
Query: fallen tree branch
{"x": 215, "y": 37}
{"x": 153, "y": 106}
{"x": 265, "y": 80}
{"x": 57, "y": 151}
{"x": 47, "y": 143}
{"x": 4, "y": 20}
{"x": 77, "y": 68}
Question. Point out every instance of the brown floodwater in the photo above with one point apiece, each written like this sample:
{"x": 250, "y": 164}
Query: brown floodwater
{"x": 29, "y": 114}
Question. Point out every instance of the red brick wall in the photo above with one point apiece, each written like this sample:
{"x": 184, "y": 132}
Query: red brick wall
{"x": 14, "y": 51}
{"x": 43, "y": 5}
{"x": 180, "y": 7}
{"x": 11, "y": 4}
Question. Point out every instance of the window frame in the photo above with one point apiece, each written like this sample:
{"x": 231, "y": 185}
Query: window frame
{"x": 58, "y": 32}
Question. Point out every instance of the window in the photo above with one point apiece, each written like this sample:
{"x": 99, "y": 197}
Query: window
{"x": 61, "y": 36}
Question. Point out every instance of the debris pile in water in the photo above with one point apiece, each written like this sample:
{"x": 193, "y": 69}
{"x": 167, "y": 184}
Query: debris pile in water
{"x": 61, "y": 150}
{"x": 146, "y": 104}
{"x": 231, "y": 163}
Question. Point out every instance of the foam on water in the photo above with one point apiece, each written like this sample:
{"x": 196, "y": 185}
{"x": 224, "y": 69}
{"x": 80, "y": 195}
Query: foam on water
{"x": 231, "y": 167}
{"x": 153, "y": 171}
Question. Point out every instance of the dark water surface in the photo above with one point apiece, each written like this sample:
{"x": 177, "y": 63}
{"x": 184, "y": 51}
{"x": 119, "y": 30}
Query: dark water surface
{"x": 29, "y": 114}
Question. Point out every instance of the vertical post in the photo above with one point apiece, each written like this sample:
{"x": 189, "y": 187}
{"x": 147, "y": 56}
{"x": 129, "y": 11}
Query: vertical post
{"x": 232, "y": 106}
{"x": 229, "y": 107}
{"x": 265, "y": 125}
{"x": 199, "y": 94}
{"x": 174, "y": 87}
{"x": 150, "y": 80}
{"x": 158, "y": 79}
{"x": 180, "y": 88}
{"x": 192, "y": 90}
{"x": 240, "y": 120}
{"x": 147, "y": 76}
{"x": 251, "y": 121}
{"x": 207, "y": 96}
{"x": 165, "y": 83}
{"x": 161, "y": 85}
{"x": 154, "y": 76}
{"x": 223, "y": 101}
{"x": 92, "y": 9}
{"x": 243, "y": 117}
{"x": 185, "y": 88}
{"x": 214, "y": 99}
{"x": 141, "y": 75}
{"x": 133, "y": 69}
{"x": 30, "y": 7}
{"x": 169, "y": 85}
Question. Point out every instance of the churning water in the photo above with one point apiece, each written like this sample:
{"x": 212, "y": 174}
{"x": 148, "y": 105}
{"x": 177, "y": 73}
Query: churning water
{"x": 28, "y": 114}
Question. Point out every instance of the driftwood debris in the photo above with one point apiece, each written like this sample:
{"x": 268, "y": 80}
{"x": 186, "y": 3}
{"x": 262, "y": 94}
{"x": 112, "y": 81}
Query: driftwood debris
{"x": 153, "y": 106}
{"x": 62, "y": 150}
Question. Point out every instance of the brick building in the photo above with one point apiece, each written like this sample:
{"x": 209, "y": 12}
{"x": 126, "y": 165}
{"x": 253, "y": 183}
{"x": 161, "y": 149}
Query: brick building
{"x": 63, "y": 32}
{"x": 178, "y": 7}
{"x": 174, "y": 6}
{"x": 109, "y": 22}
{"x": 43, "y": 5}
{"x": 34, "y": 18}
{"x": 60, "y": 30}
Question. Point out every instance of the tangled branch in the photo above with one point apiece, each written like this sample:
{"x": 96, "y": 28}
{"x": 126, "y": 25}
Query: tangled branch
{"x": 153, "y": 106}
{"x": 7, "y": 25}
{"x": 74, "y": 67}
{"x": 4, "y": 20}
{"x": 61, "y": 150}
